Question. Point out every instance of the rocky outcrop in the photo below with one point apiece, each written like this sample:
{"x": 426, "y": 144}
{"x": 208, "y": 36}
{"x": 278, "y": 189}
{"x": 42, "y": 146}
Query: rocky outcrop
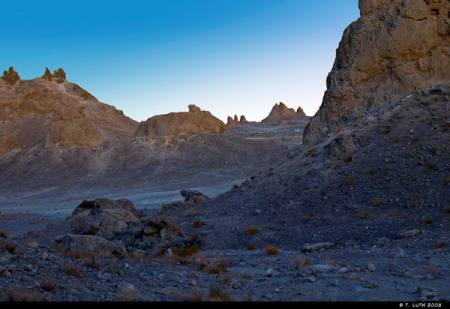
{"x": 281, "y": 113}
{"x": 395, "y": 48}
{"x": 10, "y": 76}
{"x": 171, "y": 127}
{"x": 51, "y": 112}
{"x": 115, "y": 226}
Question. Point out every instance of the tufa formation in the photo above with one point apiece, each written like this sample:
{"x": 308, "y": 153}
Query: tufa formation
{"x": 395, "y": 48}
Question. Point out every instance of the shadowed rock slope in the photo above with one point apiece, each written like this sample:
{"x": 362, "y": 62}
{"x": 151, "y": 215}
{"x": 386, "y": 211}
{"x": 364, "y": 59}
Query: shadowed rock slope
{"x": 392, "y": 50}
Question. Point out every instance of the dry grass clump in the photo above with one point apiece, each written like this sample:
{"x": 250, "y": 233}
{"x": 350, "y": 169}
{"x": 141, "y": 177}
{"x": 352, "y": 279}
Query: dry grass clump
{"x": 8, "y": 245}
{"x": 21, "y": 294}
{"x": 271, "y": 250}
{"x": 71, "y": 269}
{"x": 48, "y": 284}
{"x": 216, "y": 265}
{"x": 385, "y": 130}
{"x": 3, "y": 234}
{"x": 198, "y": 223}
{"x": 376, "y": 202}
{"x": 217, "y": 293}
{"x": 250, "y": 247}
{"x": 127, "y": 292}
{"x": 349, "y": 180}
{"x": 251, "y": 230}
{"x": 305, "y": 217}
{"x": 302, "y": 262}
{"x": 363, "y": 214}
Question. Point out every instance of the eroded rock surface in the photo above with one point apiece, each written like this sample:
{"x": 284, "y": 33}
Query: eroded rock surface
{"x": 393, "y": 49}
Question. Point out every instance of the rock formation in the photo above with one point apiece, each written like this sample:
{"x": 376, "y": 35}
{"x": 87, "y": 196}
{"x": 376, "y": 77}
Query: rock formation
{"x": 170, "y": 127}
{"x": 52, "y": 112}
{"x": 281, "y": 113}
{"x": 395, "y": 48}
{"x": 10, "y": 76}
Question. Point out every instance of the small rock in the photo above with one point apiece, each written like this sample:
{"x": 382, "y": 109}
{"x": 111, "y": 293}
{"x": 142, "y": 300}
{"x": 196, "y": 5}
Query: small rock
{"x": 317, "y": 246}
{"x": 371, "y": 267}
{"x": 312, "y": 279}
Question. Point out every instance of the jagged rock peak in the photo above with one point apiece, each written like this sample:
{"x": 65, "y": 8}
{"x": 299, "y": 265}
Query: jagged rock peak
{"x": 300, "y": 112}
{"x": 47, "y": 75}
{"x": 395, "y": 48}
{"x": 59, "y": 75}
{"x": 243, "y": 119}
{"x": 10, "y": 76}
{"x": 194, "y": 108}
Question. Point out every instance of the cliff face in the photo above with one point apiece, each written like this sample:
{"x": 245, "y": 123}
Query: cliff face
{"x": 395, "y": 48}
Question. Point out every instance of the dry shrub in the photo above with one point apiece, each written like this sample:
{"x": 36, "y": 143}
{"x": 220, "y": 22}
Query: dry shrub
{"x": 21, "y": 294}
{"x": 305, "y": 163}
{"x": 347, "y": 158}
{"x": 398, "y": 215}
{"x": 8, "y": 245}
{"x": 363, "y": 214}
{"x": 427, "y": 221}
{"x": 48, "y": 284}
{"x": 305, "y": 217}
{"x": 349, "y": 180}
{"x": 302, "y": 262}
{"x": 326, "y": 259}
{"x": 250, "y": 246}
{"x": 128, "y": 292}
{"x": 376, "y": 202}
{"x": 71, "y": 269}
{"x": 198, "y": 224}
{"x": 271, "y": 250}
{"x": 216, "y": 265}
{"x": 447, "y": 209}
{"x": 301, "y": 183}
{"x": 385, "y": 130}
{"x": 3, "y": 233}
{"x": 251, "y": 230}
{"x": 217, "y": 293}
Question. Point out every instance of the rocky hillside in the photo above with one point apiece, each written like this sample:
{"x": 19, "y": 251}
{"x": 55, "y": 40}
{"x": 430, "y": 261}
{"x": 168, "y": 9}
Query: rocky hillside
{"x": 395, "y": 48}
{"x": 49, "y": 111}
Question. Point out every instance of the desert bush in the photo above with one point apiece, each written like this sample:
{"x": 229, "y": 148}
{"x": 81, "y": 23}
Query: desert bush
{"x": 198, "y": 223}
{"x": 271, "y": 250}
{"x": 251, "y": 230}
{"x": 376, "y": 202}
{"x": 48, "y": 284}
{"x": 349, "y": 180}
{"x": 3, "y": 233}
{"x": 216, "y": 265}
{"x": 385, "y": 130}
{"x": 363, "y": 214}
{"x": 21, "y": 294}
{"x": 71, "y": 269}
{"x": 305, "y": 217}
{"x": 301, "y": 262}
{"x": 217, "y": 293}
{"x": 250, "y": 247}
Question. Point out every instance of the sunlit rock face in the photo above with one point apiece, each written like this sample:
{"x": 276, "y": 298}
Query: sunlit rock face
{"x": 51, "y": 112}
{"x": 170, "y": 127}
{"x": 395, "y": 48}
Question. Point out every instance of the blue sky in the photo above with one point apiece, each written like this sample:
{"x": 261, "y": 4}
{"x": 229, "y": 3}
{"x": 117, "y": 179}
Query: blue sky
{"x": 155, "y": 57}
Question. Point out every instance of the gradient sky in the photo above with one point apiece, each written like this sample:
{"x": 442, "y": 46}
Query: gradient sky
{"x": 155, "y": 57}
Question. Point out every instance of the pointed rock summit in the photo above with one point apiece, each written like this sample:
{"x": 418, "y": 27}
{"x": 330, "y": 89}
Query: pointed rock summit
{"x": 280, "y": 112}
{"x": 10, "y": 76}
{"x": 395, "y": 48}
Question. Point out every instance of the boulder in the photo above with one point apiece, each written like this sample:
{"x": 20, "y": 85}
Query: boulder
{"x": 104, "y": 217}
{"x": 92, "y": 244}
